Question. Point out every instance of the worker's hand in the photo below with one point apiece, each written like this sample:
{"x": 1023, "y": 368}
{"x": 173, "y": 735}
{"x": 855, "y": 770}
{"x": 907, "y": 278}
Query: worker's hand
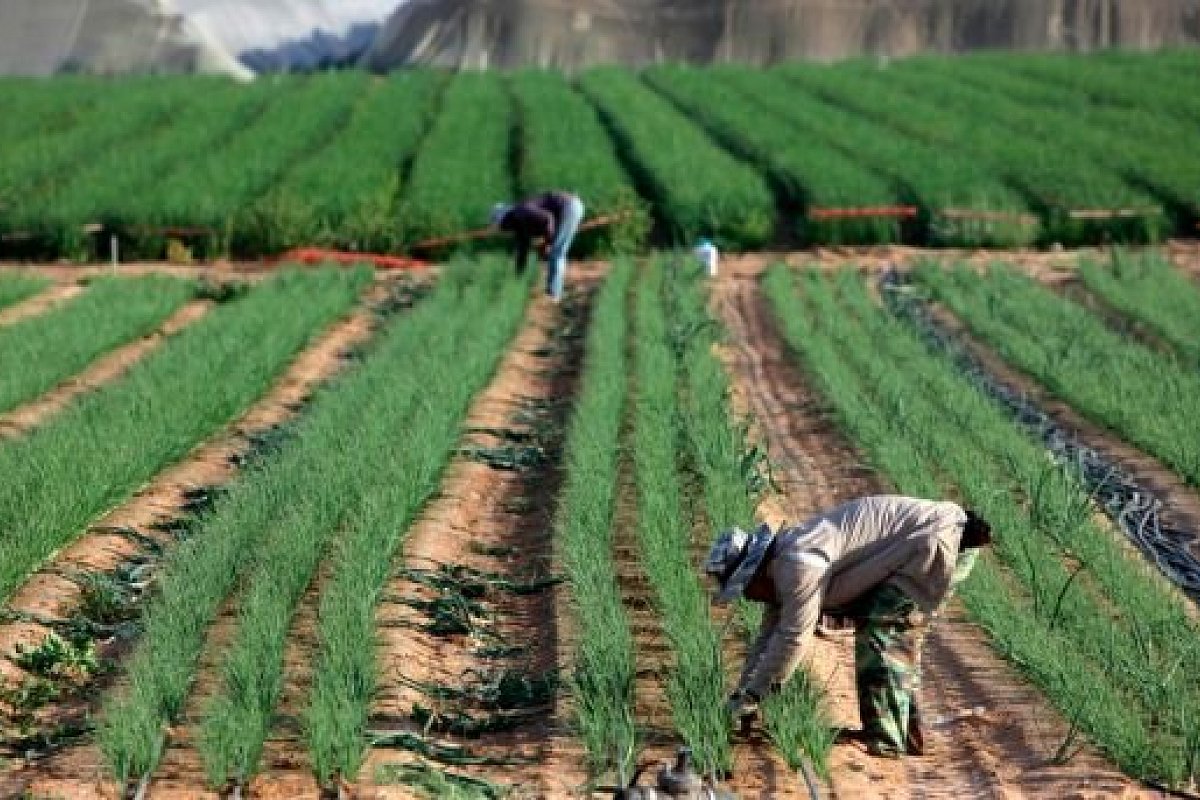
{"x": 742, "y": 707}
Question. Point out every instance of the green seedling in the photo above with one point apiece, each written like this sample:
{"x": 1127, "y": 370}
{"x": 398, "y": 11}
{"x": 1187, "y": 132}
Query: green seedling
{"x": 506, "y": 457}
{"x": 437, "y": 784}
{"x": 105, "y": 599}
{"x": 454, "y": 755}
{"x": 58, "y": 659}
{"x": 469, "y": 725}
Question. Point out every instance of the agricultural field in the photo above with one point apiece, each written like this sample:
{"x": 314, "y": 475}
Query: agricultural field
{"x": 990, "y": 150}
{"x": 277, "y": 531}
{"x": 302, "y": 578}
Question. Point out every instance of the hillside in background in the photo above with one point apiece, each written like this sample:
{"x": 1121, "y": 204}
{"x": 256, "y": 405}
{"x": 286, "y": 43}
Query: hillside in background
{"x": 245, "y": 37}
{"x": 485, "y": 33}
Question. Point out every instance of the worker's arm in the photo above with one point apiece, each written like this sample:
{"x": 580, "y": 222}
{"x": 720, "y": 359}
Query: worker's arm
{"x": 766, "y": 630}
{"x": 798, "y": 587}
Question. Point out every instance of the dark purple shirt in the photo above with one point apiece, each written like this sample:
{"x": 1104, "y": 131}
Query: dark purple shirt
{"x": 535, "y": 218}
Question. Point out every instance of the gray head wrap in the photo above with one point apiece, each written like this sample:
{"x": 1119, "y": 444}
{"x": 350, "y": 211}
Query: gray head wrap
{"x": 734, "y": 558}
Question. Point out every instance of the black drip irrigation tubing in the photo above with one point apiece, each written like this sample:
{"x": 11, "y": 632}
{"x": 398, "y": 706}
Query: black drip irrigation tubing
{"x": 1134, "y": 508}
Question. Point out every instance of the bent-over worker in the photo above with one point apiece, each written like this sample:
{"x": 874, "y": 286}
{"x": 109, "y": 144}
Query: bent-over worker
{"x": 552, "y": 217}
{"x": 887, "y": 563}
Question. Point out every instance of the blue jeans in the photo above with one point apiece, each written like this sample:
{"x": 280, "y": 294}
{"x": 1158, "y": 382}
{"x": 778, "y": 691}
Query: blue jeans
{"x": 556, "y": 259}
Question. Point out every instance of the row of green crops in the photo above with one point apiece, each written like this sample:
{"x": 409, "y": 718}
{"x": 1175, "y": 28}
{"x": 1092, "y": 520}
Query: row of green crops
{"x": 697, "y": 188}
{"x": 731, "y": 483}
{"x": 463, "y": 168}
{"x": 961, "y": 202}
{"x": 1150, "y": 399}
{"x": 602, "y": 676}
{"x": 321, "y": 497}
{"x": 345, "y": 195}
{"x": 1147, "y": 288}
{"x": 38, "y": 164}
{"x": 1104, "y": 637}
{"x": 1132, "y": 83}
{"x": 113, "y": 187}
{"x": 345, "y": 672}
{"x": 807, "y": 172}
{"x": 1058, "y": 180}
{"x": 217, "y": 191}
{"x": 48, "y": 348}
{"x": 32, "y": 111}
{"x": 564, "y": 145}
{"x": 98, "y": 451}
{"x": 233, "y": 169}
{"x": 16, "y": 286}
{"x": 695, "y": 682}
{"x": 1144, "y": 149}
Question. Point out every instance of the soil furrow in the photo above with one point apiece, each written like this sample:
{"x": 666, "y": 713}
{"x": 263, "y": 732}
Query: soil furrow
{"x": 133, "y": 533}
{"x": 40, "y": 303}
{"x": 990, "y": 734}
{"x": 105, "y": 369}
{"x": 491, "y": 523}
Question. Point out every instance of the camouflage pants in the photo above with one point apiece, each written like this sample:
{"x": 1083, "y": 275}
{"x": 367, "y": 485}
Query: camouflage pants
{"x": 889, "y": 629}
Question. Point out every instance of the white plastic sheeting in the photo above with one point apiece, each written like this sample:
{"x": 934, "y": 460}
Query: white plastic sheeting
{"x": 42, "y": 37}
{"x": 478, "y": 34}
{"x": 290, "y": 34}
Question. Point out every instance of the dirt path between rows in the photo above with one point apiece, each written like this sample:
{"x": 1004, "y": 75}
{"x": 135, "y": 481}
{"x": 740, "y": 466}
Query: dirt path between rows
{"x": 492, "y": 524}
{"x": 989, "y": 734}
{"x": 131, "y": 534}
{"x": 105, "y": 369}
{"x": 40, "y": 303}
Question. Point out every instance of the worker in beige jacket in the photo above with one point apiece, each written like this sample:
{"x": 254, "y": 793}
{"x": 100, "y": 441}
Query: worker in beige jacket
{"x": 885, "y": 562}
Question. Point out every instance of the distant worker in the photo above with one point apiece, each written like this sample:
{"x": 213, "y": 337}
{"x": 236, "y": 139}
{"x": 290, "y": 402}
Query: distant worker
{"x": 887, "y": 563}
{"x": 553, "y": 218}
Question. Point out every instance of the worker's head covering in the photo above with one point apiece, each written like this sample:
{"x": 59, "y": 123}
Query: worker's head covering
{"x": 499, "y": 211}
{"x": 734, "y": 558}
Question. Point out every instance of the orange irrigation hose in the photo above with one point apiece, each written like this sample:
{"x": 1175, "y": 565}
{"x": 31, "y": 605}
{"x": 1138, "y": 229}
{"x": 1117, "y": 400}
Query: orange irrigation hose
{"x": 318, "y": 255}
{"x": 864, "y": 211}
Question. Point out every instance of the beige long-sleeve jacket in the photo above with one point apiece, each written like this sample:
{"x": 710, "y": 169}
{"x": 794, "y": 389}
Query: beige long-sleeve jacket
{"x": 832, "y": 559}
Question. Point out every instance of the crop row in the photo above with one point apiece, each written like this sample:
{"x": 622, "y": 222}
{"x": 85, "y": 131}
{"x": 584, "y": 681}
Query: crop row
{"x": 564, "y": 145}
{"x": 281, "y": 519}
{"x": 602, "y": 676}
{"x": 1147, "y": 288}
{"x": 1151, "y": 399}
{"x": 463, "y": 167}
{"x": 345, "y": 195}
{"x": 51, "y": 347}
{"x": 234, "y": 169}
{"x": 808, "y": 172}
{"x": 1142, "y": 148}
{"x": 117, "y": 187}
{"x": 696, "y": 681}
{"x": 1102, "y": 636}
{"x": 696, "y": 187}
{"x": 1058, "y": 180}
{"x": 15, "y": 287}
{"x": 98, "y": 451}
{"x": 731, "y": 477}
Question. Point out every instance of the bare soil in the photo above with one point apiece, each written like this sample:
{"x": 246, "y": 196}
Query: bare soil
{"x": 40, "y": 303}
{"x": 132, "y": 533}
{"x": 989, "y": 733}
{"x": 494, "y": 515}
{"x": 103, "y": 370}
